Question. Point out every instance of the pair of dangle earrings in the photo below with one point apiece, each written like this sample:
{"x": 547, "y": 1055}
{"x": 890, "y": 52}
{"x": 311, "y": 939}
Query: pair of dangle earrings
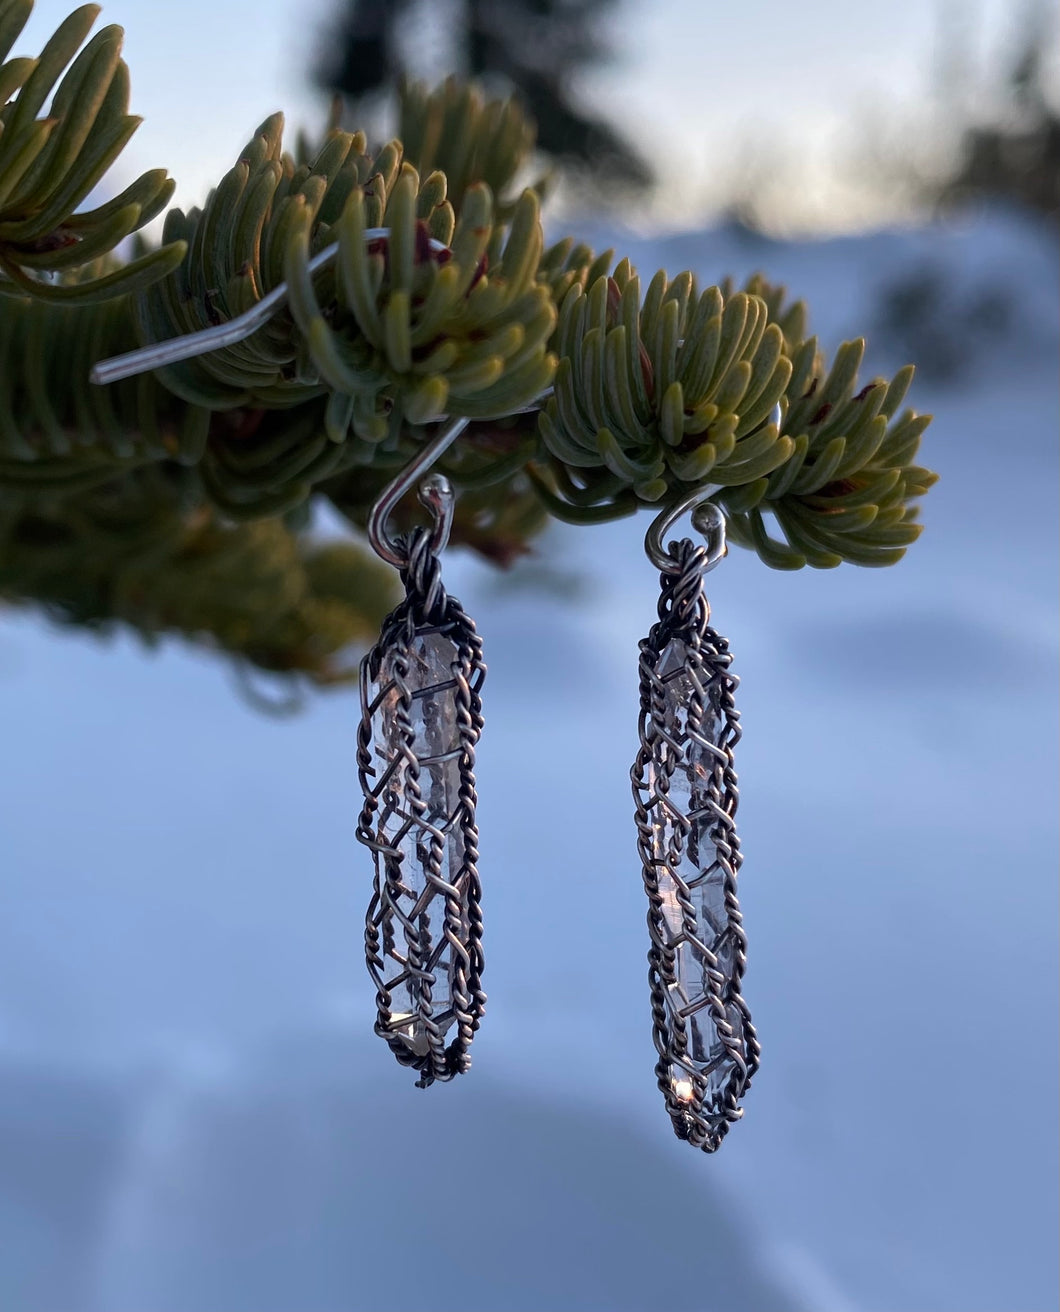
{"x": 421, "y": 717}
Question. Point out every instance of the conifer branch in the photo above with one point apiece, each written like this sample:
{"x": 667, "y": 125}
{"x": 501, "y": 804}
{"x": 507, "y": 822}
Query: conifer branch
{"x": 588, "y": 395}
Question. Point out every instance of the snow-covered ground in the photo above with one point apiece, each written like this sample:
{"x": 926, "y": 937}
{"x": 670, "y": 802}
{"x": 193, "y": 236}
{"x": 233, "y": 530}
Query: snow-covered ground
{"x": 190, "y": 1115}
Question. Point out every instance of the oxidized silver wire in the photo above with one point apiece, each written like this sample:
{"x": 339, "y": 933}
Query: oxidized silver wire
{"x": 421, "y": 717}
{"x": 435, "y": 493}
{"x": 685, "y": 789}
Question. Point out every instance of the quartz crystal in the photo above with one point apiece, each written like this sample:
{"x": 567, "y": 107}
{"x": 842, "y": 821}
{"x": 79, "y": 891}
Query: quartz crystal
{"x": 414, "y": 826}
{"x": 691, "y": 878}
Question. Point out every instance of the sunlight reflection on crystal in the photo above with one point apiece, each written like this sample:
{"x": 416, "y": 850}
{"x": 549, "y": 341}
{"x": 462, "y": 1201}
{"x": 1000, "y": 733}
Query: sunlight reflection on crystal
{"x": 683, "y": 1089}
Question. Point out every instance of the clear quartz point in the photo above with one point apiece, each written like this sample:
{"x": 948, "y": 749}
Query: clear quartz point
{"x": 693, "y": 723}
{"x": 425, "y": 668}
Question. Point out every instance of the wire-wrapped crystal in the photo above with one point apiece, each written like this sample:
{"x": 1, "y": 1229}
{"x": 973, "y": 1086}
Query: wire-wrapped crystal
{"x": 685, "y": 790}
{"x": 421, "y": 719}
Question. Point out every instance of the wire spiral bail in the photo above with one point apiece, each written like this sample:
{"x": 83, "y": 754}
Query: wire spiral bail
{"x": 685, "y": 790}
{"x": 706, "y": 517}
{"x": 421, "y": 717}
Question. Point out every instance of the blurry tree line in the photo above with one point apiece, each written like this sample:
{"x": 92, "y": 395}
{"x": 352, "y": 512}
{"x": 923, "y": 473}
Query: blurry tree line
{"x": 1014, "y": 154}
{"x": 1006, "y": 152}
{"x": 537, "y": 48}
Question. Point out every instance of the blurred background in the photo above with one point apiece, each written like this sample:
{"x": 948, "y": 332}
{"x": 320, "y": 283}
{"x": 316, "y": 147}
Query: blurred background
{"x": 193, "y": 1112}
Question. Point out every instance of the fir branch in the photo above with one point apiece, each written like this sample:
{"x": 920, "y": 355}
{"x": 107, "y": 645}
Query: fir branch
{"x": 587, "y": 397}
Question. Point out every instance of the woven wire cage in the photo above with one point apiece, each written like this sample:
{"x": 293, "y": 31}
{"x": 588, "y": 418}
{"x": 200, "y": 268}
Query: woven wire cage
{"x": 421, "y": 720}
{"x": 684, "y": 785}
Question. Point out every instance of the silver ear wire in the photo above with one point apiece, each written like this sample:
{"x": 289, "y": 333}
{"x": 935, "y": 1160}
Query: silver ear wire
{"x": 435, "y": 493}
{"x": 189, "y": 345}
{"x": 706, "y": 517}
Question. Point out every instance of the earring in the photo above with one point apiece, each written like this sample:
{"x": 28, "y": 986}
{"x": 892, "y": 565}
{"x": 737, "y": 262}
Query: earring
{"x": 684, "y": 785}
{"x": 421, "y": 716}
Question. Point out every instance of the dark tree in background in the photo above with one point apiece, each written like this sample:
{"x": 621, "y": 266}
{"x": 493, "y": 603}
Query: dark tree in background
{"x": 537, "y": 46}
{"x": 1017, "y": 157}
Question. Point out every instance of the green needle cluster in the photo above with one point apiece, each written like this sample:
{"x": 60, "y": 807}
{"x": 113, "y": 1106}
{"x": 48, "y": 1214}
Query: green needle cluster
{"x": 49, "y": 164}
{"x": 848, "y": 489}
{"x": 236, "y": 252}
{"x": 131, "y": 555}
{"x": 656, "y": 395}
{"x": 455, "y": 131}
{"x": 57, "y": 435}
{"x": 411, "y": 334}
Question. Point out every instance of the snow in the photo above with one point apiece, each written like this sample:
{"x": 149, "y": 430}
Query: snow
{"x": 190, "y": 1114}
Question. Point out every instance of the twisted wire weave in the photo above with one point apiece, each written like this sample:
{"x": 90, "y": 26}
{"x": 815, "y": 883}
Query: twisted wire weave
{"x": 685, "y": 789}
{"x": 421, "y": 719}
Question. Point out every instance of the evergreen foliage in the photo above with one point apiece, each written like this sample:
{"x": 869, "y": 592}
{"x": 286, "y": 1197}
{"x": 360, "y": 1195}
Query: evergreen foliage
{"x": 175, "y": 501}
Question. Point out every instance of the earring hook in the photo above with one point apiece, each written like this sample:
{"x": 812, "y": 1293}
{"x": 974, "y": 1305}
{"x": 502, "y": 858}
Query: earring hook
{"x": 189, "y": 345}
{"x": 706, "y": 517}
{"x": 435, "y": 492}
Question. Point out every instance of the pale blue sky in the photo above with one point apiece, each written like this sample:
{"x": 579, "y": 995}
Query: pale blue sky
{"x": 697, "y": 78}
